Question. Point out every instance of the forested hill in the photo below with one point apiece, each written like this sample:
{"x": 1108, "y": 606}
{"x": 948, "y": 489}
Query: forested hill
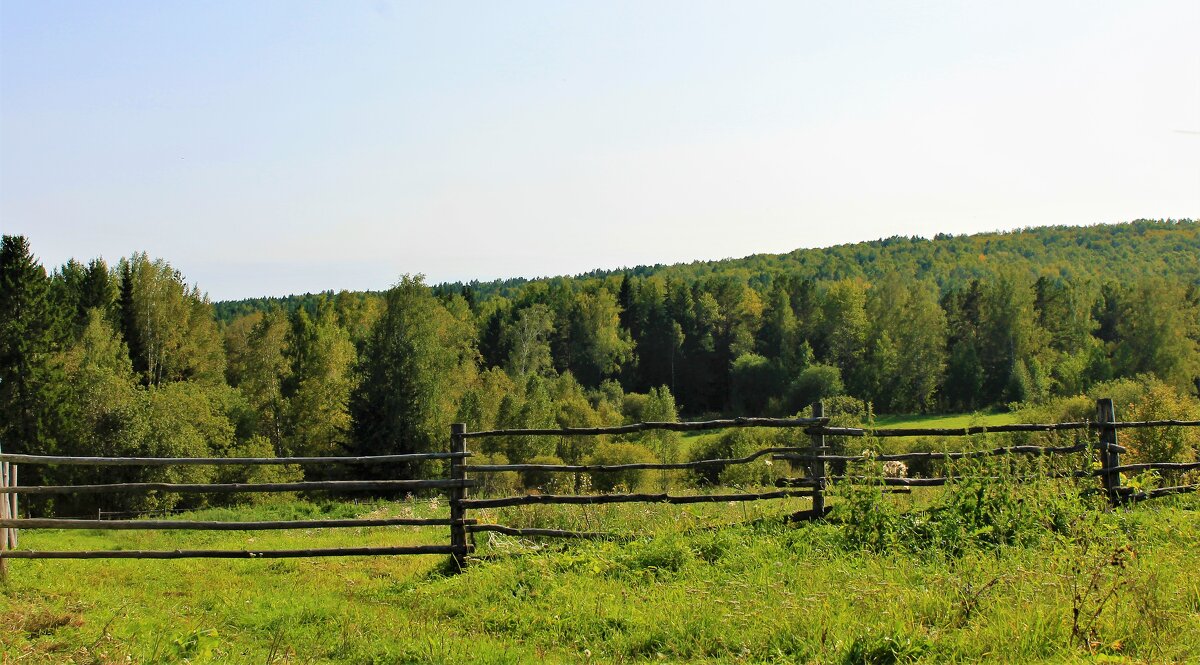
{"x": 132, "y": 359}
{"x": 1098, "y": 253}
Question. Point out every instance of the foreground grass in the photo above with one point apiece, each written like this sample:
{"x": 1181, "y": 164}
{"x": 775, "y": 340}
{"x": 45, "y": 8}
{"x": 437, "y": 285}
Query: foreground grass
{"x": 758, "y": 592}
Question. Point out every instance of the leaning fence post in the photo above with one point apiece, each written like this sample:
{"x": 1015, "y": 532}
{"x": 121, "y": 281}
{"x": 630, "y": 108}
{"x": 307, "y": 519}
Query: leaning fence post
{"x": 817, "y": 469}
{"x": 1110, "y": 457}
{"x": 458, "y": 528}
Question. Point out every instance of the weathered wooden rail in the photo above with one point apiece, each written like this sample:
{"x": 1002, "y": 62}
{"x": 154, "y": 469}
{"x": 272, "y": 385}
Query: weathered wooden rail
{"x": 816, "y": 459}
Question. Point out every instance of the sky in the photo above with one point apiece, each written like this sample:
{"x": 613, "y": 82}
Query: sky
{"x": 277, "y": 147}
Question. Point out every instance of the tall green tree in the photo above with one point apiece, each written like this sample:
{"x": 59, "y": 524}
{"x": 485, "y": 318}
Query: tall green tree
{"x": 599, "y": 345}
{"x": 1010, "y": 342}
{"x": 907, "y": 352}
{"x": 841, "y": 338}
{"x": 419, "y": 360}
{"x": 528, "y": 341}
{"x": 259, "y": 368}
{"x": 320, "y": 383}
{"x": 30, "y": 379}
{"x": 1158, "y": 332}
{"x": 659, "y": 338}
{"x": 168, "y": 326}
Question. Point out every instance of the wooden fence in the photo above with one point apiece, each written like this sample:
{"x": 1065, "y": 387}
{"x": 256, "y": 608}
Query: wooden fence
{"x": 816, "y": 458}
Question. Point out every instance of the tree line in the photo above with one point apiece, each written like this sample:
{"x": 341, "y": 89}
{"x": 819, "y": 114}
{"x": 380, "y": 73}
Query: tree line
{"x": 129, "y": 359}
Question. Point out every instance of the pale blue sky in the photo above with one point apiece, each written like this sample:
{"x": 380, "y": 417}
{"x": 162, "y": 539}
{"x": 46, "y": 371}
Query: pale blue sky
{"x": 279, "y": 147}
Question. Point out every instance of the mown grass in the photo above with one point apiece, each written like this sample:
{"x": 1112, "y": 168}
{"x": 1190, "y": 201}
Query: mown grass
{"x": 692, "y": 587}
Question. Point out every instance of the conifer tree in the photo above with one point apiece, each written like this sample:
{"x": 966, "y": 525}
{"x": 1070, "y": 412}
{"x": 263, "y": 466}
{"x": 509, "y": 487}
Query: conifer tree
{"x": 29, "y": 378}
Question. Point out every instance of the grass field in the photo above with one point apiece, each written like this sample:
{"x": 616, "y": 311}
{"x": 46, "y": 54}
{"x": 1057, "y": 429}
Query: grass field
{"x": 761, "y": 591}
{"x": 946, "y": 420}
{"x": 692, "y": 440}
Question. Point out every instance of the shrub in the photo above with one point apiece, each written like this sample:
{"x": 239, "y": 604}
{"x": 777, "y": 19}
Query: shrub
{"x": 256, "y": 446}
{"x": 753, "y": 381}
{"x": 495, "y": 484}
{"x": 736, "y": 443}
{"x": 660, "y": 555}
{"x": 619, "y": 453}
{"x": 817, "y": 382}
{"x": 985, "y": 508}
{"x": 1147, "y": 398}
{"x": 545, "y": 481}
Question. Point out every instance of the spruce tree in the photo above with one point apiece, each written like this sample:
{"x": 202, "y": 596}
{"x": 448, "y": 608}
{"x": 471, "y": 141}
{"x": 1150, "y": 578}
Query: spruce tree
{"x": 28, "y": 375}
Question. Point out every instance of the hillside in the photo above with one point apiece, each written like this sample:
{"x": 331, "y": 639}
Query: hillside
{"x": 1101, "y": 252}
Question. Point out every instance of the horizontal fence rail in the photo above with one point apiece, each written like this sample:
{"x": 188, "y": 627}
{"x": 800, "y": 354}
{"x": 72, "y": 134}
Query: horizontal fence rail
{"x": 600, "y": 468}
{"x": 694, "y": 426}
{"x": 229, "y": 554}
{"x": 911, "y": 457}
{"x": 226, "y": 488}
{"x": 588, "y": 499}
{"x": 542, "y": 533}
{"x": 888, "y": 432}
{"x": 202, "y": 525}
{"x": 223, "y": 461}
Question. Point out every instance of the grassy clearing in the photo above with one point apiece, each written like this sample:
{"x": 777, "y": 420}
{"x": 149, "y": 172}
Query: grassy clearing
{"x": 953, "y": 420}
{"x": 757, "y": 592}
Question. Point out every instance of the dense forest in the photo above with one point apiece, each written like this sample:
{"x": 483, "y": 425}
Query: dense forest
{"x": 131, "y": 359}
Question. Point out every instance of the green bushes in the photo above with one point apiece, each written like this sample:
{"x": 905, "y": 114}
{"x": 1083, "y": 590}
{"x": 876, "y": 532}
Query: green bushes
{"x": 549, "y": 482}
{"x": 997, "y": 502}
{"x": 619, "y": 453}
{"x": 1139, "y": 398}
{"x": 736, "y": 443}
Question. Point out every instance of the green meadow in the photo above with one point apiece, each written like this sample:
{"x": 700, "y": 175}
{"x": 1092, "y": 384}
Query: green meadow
{"x": 715, "y": 583}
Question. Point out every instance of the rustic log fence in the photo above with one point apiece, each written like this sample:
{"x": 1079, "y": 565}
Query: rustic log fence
{"x": 11, "y": 522}
{"x": 816, "y": 458}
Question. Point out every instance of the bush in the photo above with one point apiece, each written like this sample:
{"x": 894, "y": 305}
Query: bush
{"x": 986, "y": 507}
{"x": 817, "y": 382}
{"x": 1147, "y": 398}
{"x": 256, "y": 446}
{"x": 549, "y": 482}
{"x": 495, "y": 484}
{"x": 619, "y": 453}
{"x": 753, "y": 381}
{"x": 736, "y": 443}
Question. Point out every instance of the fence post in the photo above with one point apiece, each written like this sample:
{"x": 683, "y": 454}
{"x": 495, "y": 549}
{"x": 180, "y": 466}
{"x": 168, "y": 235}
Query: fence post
{"x": 817, "y": 469}
{"x": 1109, "y": 457}
{"x": 5, "y": 505}
{"x": 458, "y": 528}
{"x": 12, "y": 482}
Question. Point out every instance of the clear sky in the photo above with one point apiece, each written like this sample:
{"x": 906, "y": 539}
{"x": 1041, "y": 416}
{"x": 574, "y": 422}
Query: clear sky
{"x": 273, "y": 147}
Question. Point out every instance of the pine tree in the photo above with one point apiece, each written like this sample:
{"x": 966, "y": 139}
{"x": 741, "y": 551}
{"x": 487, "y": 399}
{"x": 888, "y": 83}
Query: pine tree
{"x": 29, "y": 378}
